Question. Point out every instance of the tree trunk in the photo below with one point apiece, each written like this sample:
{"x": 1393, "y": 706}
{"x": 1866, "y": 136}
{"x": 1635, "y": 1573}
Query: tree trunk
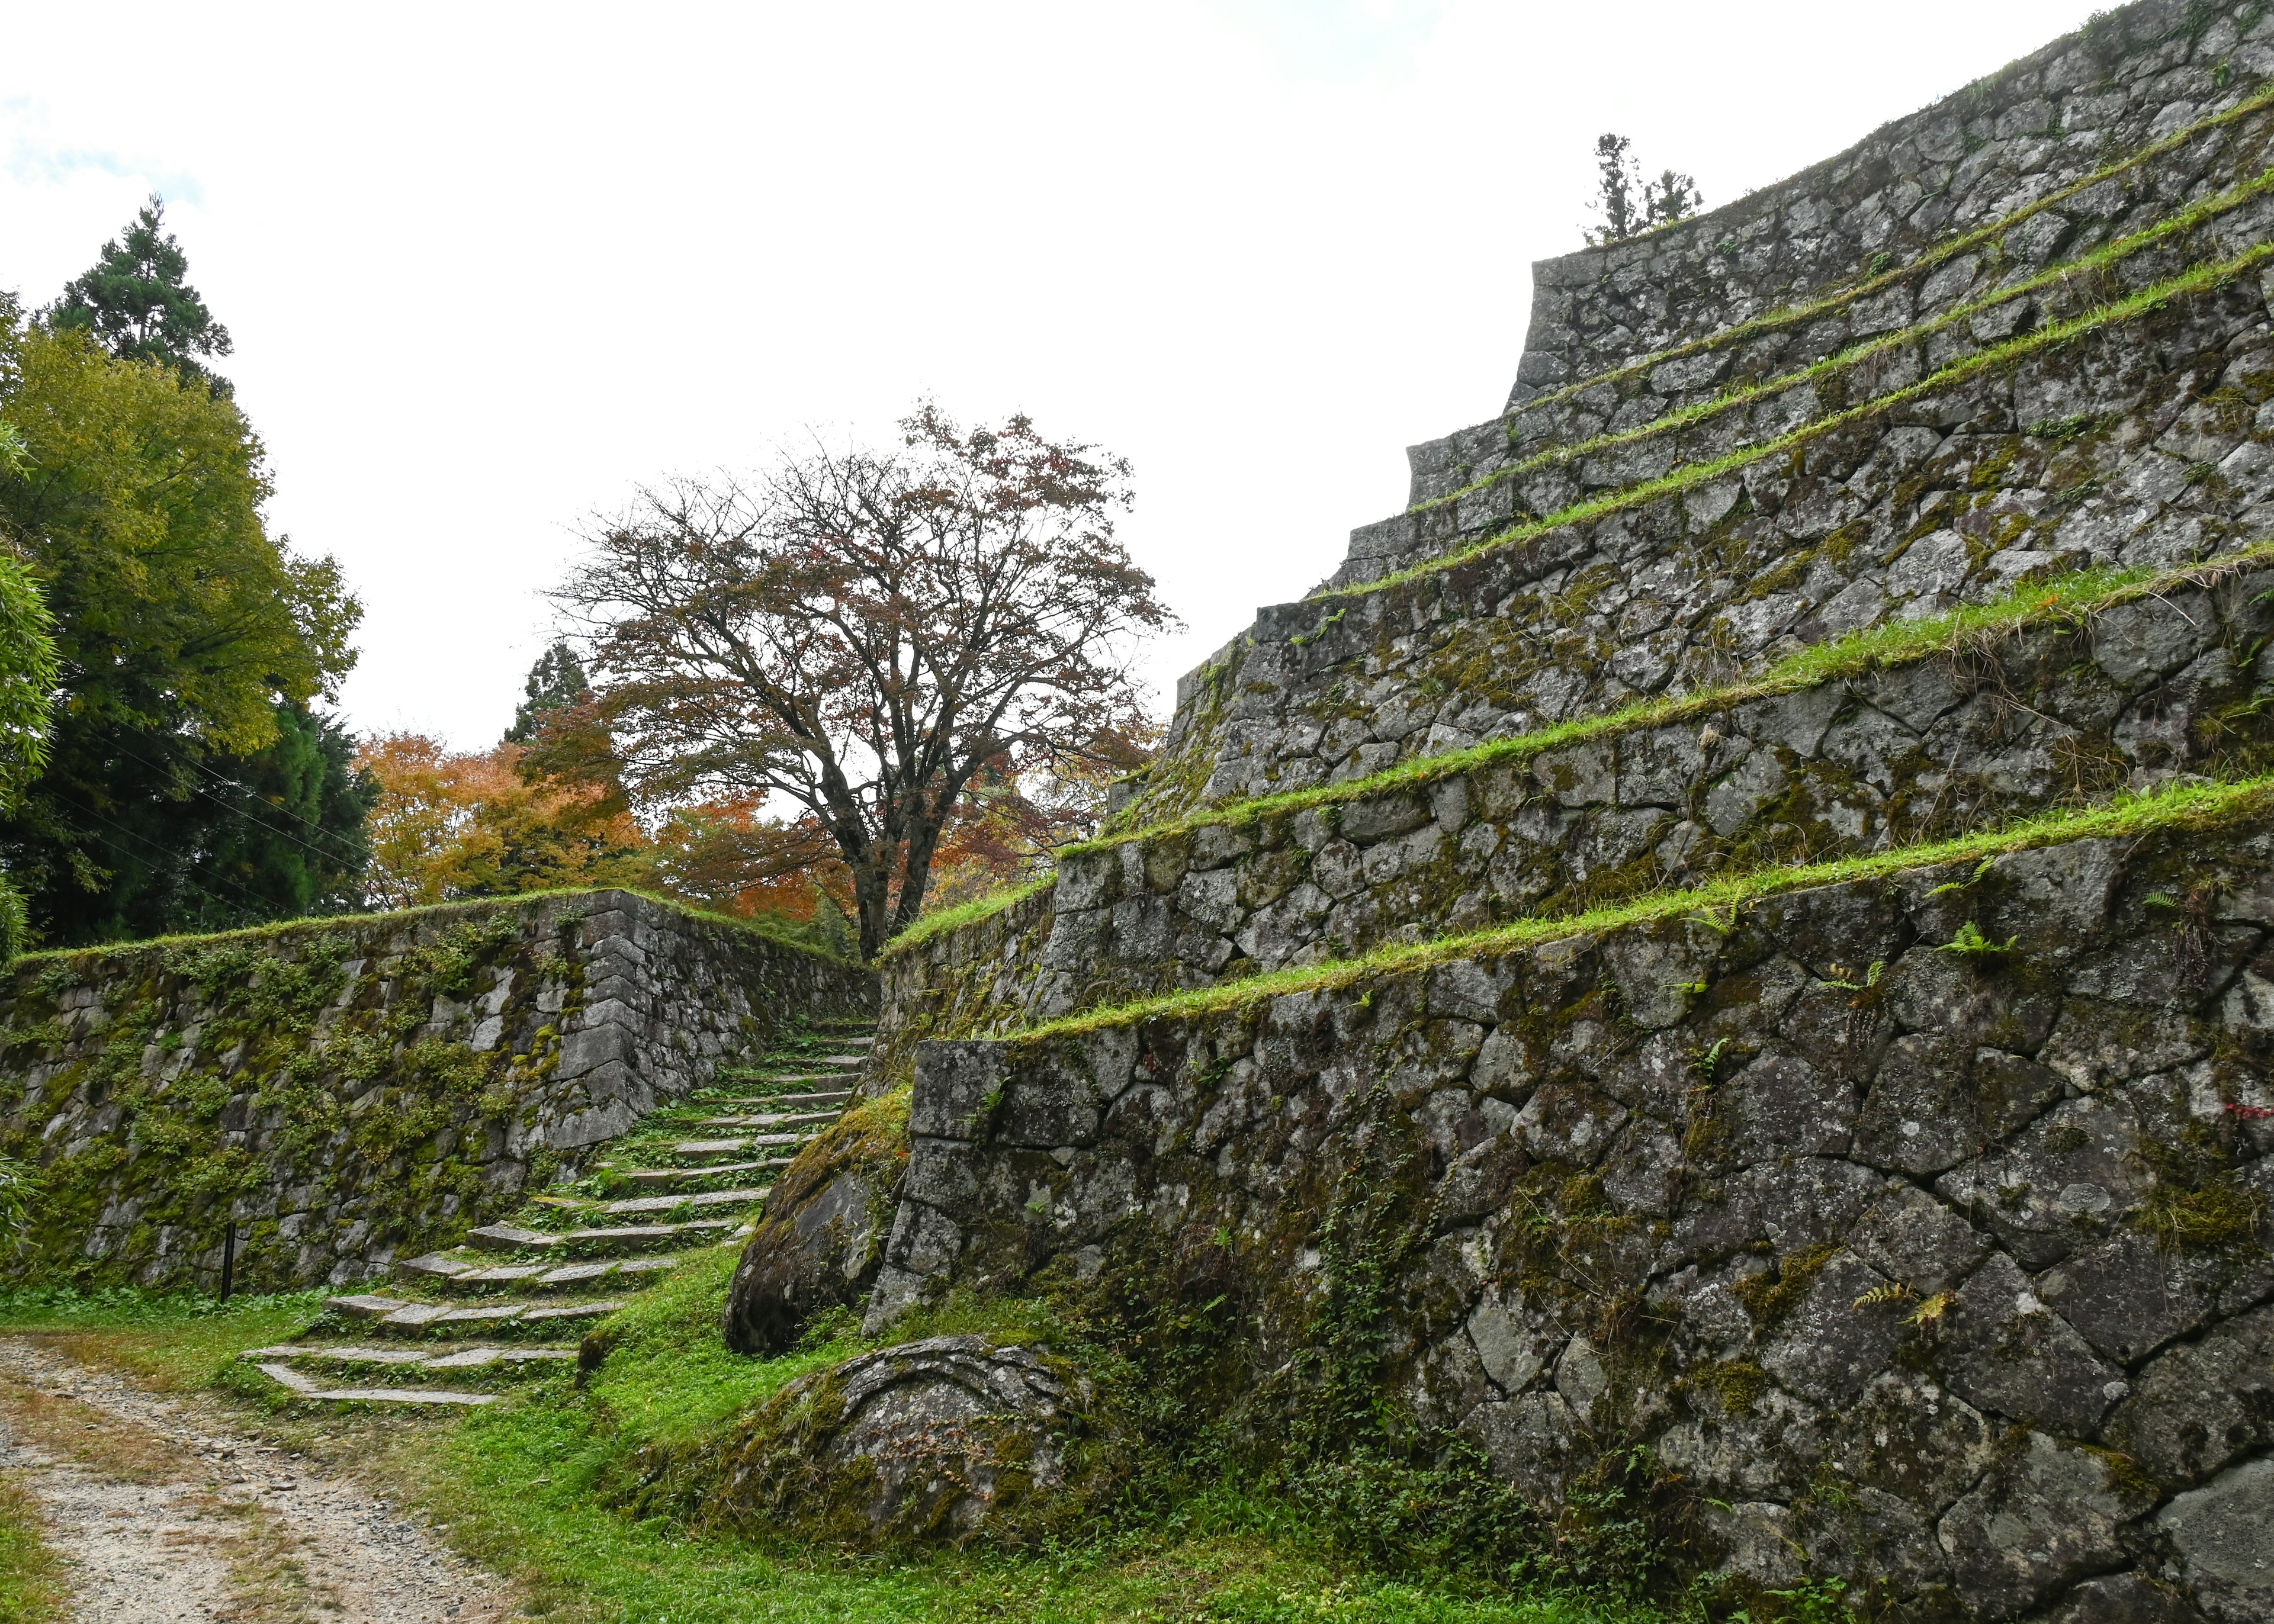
{"x": 871, "y": 893}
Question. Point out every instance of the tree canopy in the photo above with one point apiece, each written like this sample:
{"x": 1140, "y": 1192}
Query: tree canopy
{"x": 188, "y": 783}
{"x": 863, "y": 633}
{"x": 1630, "y": 206}
{"x": 137, "y": 303}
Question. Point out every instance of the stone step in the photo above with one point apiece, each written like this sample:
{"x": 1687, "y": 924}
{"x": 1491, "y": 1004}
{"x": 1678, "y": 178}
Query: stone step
{"x": 844, "y": 1062}
{"x": 477, "y": 1357}
{"x": 666, "y": 1203}
{"x": 681, "y": 1176}
{"x": 636, "y": 1237}
{"x": 285, "y": 1376}
{"x": 783, "y": 1122}
{"x": 563, "y": 1277}
{"x": 400, "y": 1316}
{"x": 829, "y": 1102}
{"x": 714, "y": 1150}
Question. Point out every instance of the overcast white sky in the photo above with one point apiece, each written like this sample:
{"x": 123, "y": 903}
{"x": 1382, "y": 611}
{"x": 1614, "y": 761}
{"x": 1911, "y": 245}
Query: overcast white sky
{"x": 488, "y": 266}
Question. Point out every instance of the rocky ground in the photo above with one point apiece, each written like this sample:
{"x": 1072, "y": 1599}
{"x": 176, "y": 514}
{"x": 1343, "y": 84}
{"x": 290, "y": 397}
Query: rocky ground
{"x": 164, "y": 1511}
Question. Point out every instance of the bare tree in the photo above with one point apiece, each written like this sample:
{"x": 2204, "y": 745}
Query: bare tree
{"x": 862, "y": 632}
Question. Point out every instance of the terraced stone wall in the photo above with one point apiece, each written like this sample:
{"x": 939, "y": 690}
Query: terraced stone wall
{"x": 349, "y": 1089}
{"x": 2137, "y": 74}
{"x": 1458, "y": 966}
{"x": 1918, "y": 1225}
{"x": 2057, "y": 376}
{"x": 1984, "y": 728}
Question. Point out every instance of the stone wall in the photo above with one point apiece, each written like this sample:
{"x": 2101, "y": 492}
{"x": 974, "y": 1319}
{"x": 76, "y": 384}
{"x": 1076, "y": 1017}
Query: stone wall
{"x": 345, "y": 1089}
{"x": 973, "y": 981}
{"x": 2136, "y": 444}
{"x": 1919, "y": 1226}
{"x": 2200, "y": 200}
{"x": 1666, "y": 522}
{"x": 1916, "y": 1227}
{"x": 1973, "y": 158}
{"x": 1985, "y": 729}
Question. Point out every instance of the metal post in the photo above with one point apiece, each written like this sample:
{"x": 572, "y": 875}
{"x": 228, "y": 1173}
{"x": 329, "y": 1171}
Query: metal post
{"x": 228, "y": 1260}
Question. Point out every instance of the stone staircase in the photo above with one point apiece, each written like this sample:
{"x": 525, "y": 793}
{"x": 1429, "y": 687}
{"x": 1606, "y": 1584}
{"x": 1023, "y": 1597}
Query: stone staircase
{"x": 570, "y": 1259}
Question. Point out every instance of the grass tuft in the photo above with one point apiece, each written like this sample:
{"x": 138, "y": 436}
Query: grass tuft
{"x": 964, "y": 913}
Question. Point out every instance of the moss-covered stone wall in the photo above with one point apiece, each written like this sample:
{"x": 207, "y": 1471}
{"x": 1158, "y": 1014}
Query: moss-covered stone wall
{"x": 973, "y": 981}
{"x": 346, "y": 1090}
{"x": 1981, "y": 728}
{"x": 1915, "y": 1229}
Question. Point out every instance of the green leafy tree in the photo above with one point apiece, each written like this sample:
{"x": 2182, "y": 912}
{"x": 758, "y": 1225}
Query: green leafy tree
{"x": 188, "y": 783}
{"x": 137, "y": 305}
{"x": 27, "y": 680}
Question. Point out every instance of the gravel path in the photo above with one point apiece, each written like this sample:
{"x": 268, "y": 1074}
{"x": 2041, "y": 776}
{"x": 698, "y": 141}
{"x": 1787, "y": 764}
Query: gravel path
{"x": 166, "y": 1516}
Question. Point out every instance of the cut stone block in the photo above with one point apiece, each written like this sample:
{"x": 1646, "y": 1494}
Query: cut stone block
{"x": 782, "y": 1120}
{"x": 666, "y": 1203}
{"x": 577, "y": 1274}
{"x": 710, "y": 1150}
{"x": 644, "y": 1265}
{"x": 285, "y": 1376}
{"x": 402, "y": 1395}
{"x": 680, "y": 1175}
{"x": 340, "y": 1355}
{"x": 627, "y": 1238}
{"x": 440, "y": 1265}
{"x": 415, "y": 1314}
{"x": 507, "y": 1237}
{"x": 573, "y": 1311}
{"x": 487, "y": 1313}
{"x": 364, "y": 1307}
{"x": 502, "y": 1271}
{"x": 471, "y": 1358}
{"x": 799, "y": 1101}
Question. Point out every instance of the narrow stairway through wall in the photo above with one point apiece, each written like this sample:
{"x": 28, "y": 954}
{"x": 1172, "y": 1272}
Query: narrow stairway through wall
{"x": 455, "y": 1327}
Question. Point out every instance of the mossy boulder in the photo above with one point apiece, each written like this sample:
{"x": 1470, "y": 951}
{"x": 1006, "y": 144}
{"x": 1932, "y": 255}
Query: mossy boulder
{"x": 930, "y": 1441}
{"x": 824, "y": 1234}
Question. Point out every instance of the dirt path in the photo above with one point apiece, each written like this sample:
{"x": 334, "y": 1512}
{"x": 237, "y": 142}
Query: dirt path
{"x": 165, "y": 1514}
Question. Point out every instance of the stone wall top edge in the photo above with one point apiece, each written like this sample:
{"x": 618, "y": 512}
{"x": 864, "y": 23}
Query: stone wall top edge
{"x": 560, "y": 907}
{"x": 1584, "y": 267}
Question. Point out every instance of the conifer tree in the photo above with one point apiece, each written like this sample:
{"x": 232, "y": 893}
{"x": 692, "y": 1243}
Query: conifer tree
{"x": 136, "y": 304}
{"x": 556, "y": 682}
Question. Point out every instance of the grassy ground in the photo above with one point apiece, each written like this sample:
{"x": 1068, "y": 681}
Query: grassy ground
{"x": 31, "y": 1588}
{"x": 520, "y": 1486}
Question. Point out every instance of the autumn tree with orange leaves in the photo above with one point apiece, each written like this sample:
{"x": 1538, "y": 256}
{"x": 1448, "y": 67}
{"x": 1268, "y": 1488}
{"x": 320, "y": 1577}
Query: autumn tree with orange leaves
{"x": 866, "y": 635}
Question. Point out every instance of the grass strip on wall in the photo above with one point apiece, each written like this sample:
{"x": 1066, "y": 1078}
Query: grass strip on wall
{"x": 2201, "y": 806}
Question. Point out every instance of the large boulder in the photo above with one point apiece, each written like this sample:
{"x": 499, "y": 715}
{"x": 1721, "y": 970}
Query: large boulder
{"x": 929, "y": 1441}
{"x": 823, "y": 1234}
